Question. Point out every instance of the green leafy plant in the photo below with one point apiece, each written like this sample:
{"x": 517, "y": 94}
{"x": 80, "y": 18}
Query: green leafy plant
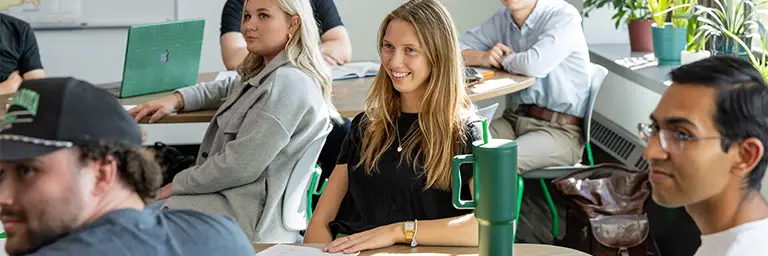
{"x": 681, "y": 11}
{"x": 761, "y": 64}
{"x": 726, "y": 23}
{"x": 626, "y": 10}
{"x": 695, "y": 44}
{"x": 659, "y": 11}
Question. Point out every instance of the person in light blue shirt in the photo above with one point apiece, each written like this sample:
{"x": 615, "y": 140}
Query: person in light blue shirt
{"x": 541, "y": 39}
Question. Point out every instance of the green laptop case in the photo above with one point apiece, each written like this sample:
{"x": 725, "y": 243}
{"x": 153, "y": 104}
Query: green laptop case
{"x": 162, "y": 57}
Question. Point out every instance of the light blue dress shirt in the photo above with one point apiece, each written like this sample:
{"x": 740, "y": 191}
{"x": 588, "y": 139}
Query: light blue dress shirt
{"x": 550, "y": 46}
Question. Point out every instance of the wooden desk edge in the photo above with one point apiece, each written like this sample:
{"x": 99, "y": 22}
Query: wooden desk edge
{"x": 521, "y": 248}
{"x": 504, "y": 90}
{"x": 203, "y": 116}
{"x": 207, "y": 115}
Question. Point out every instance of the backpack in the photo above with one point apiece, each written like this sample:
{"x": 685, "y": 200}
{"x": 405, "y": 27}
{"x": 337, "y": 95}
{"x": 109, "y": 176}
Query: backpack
{"x": 606, "y": 211}
{"x": 171, "y": 161}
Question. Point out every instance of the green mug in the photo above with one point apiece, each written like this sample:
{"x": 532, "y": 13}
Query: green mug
{"x": 495, "y": 193}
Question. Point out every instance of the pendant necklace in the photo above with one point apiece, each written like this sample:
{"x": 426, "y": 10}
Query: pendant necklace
{"x": 399, "y": 143}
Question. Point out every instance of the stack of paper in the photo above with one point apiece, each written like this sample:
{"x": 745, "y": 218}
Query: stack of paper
{"x": 285, "y": 250}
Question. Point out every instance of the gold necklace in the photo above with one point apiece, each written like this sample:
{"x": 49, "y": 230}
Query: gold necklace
{"x": 397, "y": 131}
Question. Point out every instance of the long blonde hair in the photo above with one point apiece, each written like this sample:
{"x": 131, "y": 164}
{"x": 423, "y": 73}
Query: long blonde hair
{"x": 443, "y": 108}
{"x": 302, "y": 50}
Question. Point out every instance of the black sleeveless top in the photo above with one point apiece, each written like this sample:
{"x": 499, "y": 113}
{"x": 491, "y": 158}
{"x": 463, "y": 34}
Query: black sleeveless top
{"x": 394, "y": 193}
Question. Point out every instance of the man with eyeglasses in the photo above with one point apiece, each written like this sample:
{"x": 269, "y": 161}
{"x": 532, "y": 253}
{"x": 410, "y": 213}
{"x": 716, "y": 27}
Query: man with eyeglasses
{"x": 706, "y": 152}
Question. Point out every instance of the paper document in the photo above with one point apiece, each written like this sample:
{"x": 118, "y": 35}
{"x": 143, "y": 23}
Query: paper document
{"x": 226, "y": 74}
{"x": 284, "y": 249}
{"x": 355, "y": 70}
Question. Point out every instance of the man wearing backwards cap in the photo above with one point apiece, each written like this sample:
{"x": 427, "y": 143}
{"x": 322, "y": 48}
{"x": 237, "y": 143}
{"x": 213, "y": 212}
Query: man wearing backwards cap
{"x": 74, "y": 181}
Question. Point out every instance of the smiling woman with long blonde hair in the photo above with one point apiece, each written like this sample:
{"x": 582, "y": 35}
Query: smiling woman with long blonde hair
{"x": 394, "y": 172}
{"x": 257, "y": 136}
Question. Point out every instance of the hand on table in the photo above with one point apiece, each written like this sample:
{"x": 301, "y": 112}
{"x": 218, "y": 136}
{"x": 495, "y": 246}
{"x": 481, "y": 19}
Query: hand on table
{"x": 376, "y": 238}
{"x": 332, "y": 58}
{"x": 495, "y": 55}
{"x": 165, "y": 192}
{"x": 158, "y": 108}
{"x": 12, "y": 83}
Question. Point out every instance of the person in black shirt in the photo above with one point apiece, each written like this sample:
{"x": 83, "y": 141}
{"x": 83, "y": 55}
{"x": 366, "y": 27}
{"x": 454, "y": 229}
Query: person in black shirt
{"x": 20, "y": 58}
{"x": 335, "y": 46}
{"x": 394, "y": 173}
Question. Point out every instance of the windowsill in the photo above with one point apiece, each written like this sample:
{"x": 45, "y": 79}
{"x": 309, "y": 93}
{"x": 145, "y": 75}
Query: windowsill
{"x": 638, "y": 67}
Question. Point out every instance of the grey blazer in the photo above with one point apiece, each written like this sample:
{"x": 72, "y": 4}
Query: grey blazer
{"x": 257, "y": 135}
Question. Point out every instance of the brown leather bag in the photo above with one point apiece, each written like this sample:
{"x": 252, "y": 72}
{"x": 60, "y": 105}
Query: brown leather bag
{"x": 606, "y": 211}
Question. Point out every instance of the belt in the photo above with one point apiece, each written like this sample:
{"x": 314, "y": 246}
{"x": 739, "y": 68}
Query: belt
{"x": 548, "y": 115}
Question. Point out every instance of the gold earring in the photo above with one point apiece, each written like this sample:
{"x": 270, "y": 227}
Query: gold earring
{"x": 289, "y": 40}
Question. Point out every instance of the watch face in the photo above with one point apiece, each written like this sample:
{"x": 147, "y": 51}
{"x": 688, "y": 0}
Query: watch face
{"x": 409, "y": 226}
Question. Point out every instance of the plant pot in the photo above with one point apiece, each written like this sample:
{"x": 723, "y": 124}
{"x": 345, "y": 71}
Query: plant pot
{"x": 668, "y": 42}
{"x": 725, "y": 46}
{"x": 688, "y": 57}
{"x": 640, "y": 36}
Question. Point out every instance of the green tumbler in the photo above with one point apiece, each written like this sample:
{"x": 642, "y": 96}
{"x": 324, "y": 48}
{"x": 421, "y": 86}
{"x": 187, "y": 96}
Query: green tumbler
{"x": 495, "y": 193}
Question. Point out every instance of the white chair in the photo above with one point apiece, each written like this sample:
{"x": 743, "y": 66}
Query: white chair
{"x": 295, "y": 212}
{"x": 488, "y": 112}
{"x": 597, "y": 74}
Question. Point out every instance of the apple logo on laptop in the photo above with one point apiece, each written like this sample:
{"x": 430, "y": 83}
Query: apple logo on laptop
{"x": 164, "y": 57}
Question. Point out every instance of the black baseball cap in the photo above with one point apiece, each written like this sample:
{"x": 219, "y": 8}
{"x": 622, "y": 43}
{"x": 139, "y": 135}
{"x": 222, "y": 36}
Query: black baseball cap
{"x": 50, "y": 114}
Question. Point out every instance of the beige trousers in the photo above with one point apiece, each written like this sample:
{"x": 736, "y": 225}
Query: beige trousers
{"x": 539, "y": 143}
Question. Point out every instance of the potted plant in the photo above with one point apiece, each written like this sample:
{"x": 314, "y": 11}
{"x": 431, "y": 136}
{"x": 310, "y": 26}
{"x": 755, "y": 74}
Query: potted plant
{"x": 722, "y": 25}
{"x": 635, "y": 14}
{"x": 696, "y": 47}
{"x": 669, "y": 38}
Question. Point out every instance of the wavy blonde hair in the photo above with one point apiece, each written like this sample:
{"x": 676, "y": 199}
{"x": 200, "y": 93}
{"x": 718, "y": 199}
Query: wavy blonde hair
{"x": 302, "y": 50}
{"x": 443, "y": 109}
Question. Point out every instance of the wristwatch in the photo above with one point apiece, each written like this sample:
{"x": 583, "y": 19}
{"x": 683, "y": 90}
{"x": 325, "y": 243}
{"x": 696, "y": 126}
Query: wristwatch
{"x": 410, "y": 229}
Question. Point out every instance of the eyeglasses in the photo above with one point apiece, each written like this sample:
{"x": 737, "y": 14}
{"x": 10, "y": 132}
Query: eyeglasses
{"x": 671, "y": 141}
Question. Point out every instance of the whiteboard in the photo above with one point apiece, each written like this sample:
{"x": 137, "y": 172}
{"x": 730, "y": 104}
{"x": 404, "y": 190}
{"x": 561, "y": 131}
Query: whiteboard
{"x": 43, "y": 14}
{"x": 108, "y": 13}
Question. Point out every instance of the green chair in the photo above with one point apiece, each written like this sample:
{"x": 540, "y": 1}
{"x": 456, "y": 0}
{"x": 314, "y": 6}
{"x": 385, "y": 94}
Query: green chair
{"x": 314, "y": 182}
{"x": 597, "y": 74}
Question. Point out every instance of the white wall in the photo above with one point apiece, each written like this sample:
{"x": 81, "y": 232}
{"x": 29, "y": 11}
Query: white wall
{"x": 97, "y": 55}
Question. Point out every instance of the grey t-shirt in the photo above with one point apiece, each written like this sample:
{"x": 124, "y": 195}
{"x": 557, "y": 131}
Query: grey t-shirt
{"x": 133, "y": 232}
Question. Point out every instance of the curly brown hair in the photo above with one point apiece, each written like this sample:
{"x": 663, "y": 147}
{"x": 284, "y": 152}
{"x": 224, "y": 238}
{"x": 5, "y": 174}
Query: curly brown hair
{"x": 136, "y": 166}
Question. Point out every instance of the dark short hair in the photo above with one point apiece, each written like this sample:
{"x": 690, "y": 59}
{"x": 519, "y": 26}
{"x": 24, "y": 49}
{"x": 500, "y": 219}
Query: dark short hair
{"x": 741, "y": 102}
{"x": 136, "y": 168}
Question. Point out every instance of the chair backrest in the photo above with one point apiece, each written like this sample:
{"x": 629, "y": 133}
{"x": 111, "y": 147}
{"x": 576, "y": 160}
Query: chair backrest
{"x": 597, "y": 74}
{"x": 295, "y": 215}
{"x": 488, "y": 112}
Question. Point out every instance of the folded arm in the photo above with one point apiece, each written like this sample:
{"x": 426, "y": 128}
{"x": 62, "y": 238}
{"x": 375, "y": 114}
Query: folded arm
{"x": 475, "y": 42}
{"x": 550, "y": 49}
{"x": 336, "y": 44}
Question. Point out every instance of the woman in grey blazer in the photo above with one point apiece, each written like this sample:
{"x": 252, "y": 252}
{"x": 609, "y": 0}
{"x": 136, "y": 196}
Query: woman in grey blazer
{"x": 266, "y": 119}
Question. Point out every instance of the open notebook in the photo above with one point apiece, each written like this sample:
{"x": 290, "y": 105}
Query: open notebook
{"x": 355, "y": 70}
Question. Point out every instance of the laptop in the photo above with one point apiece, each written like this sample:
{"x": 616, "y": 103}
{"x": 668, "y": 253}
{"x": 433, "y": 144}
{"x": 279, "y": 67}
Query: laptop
{"x": 160, "y": 57}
